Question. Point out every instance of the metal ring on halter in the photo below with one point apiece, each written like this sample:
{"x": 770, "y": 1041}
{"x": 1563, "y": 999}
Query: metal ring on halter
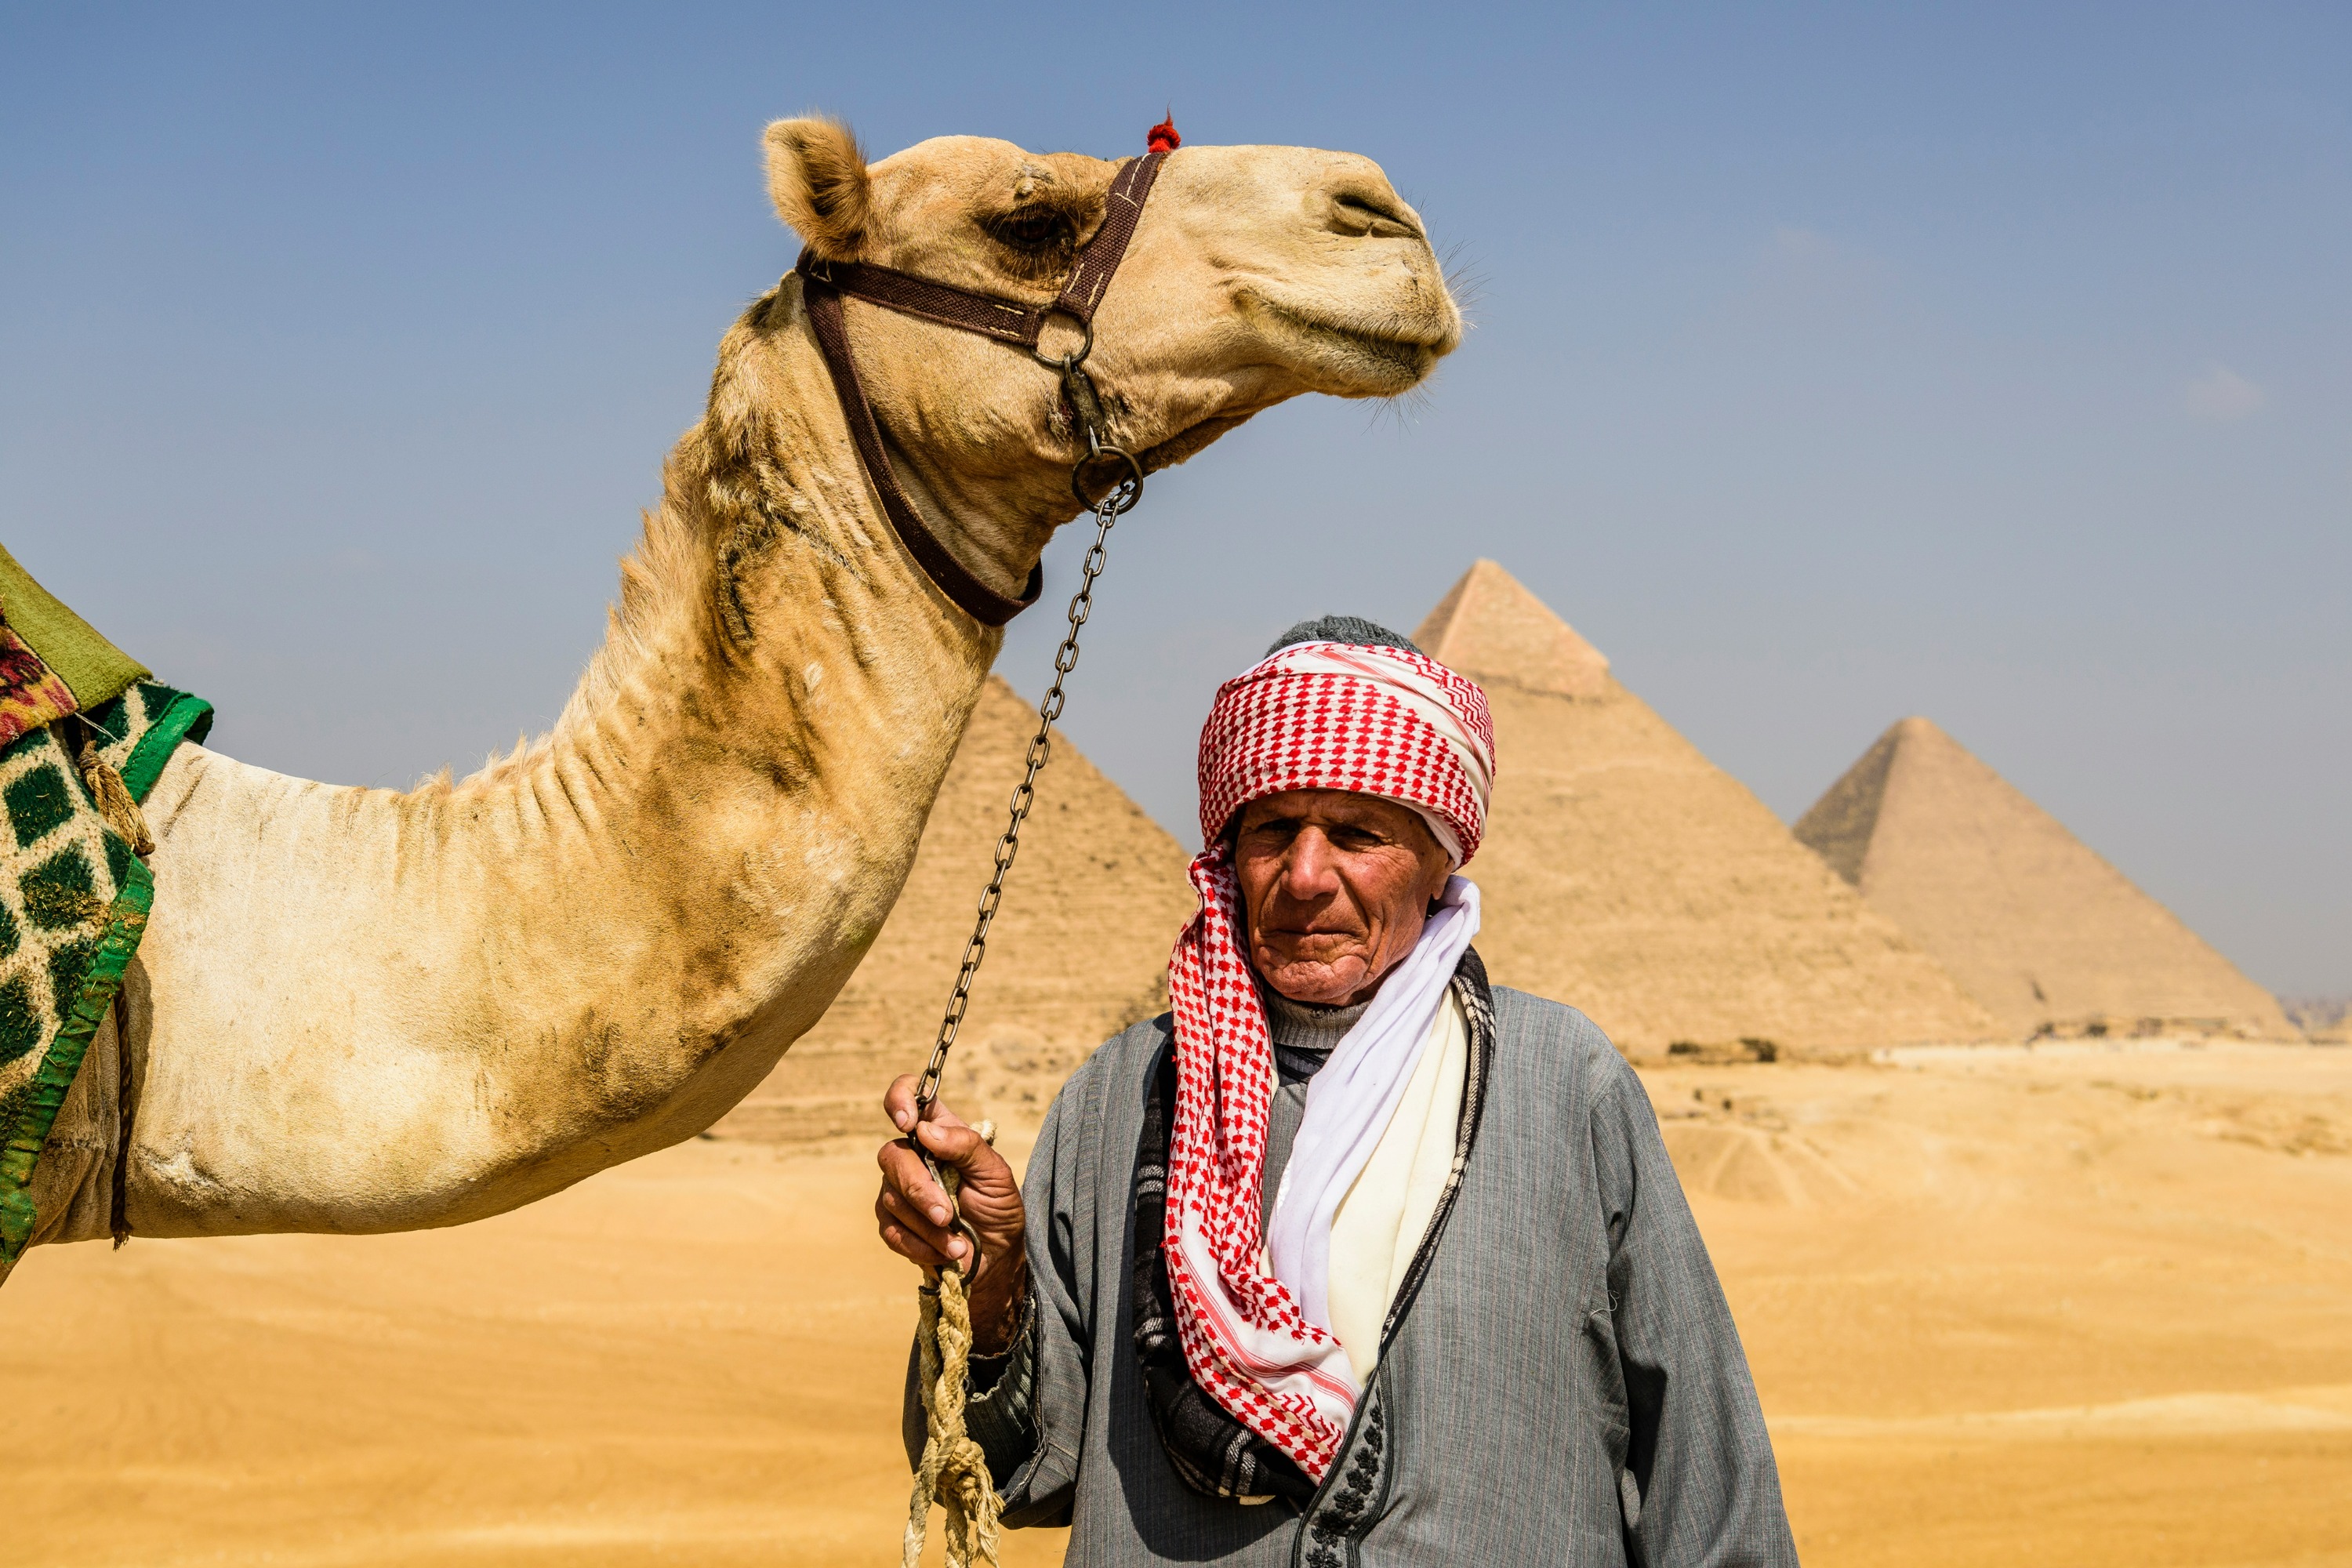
{"x": 1126, "y": 492}
{"x": 1063, "y": 361}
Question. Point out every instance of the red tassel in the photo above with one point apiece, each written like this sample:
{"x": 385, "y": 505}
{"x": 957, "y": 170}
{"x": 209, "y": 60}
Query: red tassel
{"x": 1163, "y": 137}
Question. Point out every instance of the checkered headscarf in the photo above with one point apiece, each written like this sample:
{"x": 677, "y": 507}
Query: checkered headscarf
{"x": 1385, "y": 722}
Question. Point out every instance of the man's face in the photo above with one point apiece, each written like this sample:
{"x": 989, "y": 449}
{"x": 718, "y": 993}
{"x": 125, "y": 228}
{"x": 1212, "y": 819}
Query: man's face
{"x": 1335, "y": 889}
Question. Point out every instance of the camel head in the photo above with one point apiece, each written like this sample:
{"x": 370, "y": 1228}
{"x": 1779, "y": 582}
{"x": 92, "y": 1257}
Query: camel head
{"x": 1256, "y": 274}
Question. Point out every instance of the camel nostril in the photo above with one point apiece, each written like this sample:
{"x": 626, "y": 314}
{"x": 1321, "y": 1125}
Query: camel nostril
{"x": 1372, "y": 215}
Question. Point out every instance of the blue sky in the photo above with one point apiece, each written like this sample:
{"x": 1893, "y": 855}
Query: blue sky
{"x": 1831, "y": 364}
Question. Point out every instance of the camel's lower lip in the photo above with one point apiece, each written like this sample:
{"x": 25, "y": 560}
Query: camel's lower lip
{"x": 1383, "y": 362}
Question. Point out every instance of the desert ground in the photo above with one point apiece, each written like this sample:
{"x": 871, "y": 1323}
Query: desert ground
{"x": 2083, "y": 1305}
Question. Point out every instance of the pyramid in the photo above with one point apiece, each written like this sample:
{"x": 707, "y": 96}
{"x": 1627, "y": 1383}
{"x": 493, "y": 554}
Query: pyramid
{"x": 1078, "y": 951}
{"x": 2046, "y": 934}
{"x": 1626, "y": 875}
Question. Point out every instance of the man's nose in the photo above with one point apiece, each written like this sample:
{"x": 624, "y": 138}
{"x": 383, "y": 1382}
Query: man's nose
{"x": 1308, "y": 870}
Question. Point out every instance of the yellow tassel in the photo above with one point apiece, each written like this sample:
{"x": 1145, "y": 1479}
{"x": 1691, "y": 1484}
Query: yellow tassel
{"x": 114, "y": 803}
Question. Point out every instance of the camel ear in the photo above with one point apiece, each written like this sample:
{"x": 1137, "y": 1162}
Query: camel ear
{"x": 816, "y": 175}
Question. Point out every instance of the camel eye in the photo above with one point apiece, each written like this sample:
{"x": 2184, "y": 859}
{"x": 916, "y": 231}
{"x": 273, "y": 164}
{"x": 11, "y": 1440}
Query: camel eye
{"x": 1034, "y": 230}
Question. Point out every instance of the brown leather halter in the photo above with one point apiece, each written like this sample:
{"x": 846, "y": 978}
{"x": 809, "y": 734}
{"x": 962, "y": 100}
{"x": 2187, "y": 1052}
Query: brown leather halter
{"x": 822, "y": 284}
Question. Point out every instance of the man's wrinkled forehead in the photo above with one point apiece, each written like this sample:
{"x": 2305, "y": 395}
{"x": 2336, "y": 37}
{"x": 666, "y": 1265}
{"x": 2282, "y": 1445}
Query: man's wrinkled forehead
{"x": 1398, "y": 818}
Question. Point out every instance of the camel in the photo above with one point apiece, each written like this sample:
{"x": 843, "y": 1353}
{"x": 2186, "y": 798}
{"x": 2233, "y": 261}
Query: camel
{"x": 361, "y": 1010}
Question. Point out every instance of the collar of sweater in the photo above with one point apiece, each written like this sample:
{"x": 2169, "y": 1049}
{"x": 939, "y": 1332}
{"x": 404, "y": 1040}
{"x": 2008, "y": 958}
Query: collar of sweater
{"x": 1305, "y": 1034}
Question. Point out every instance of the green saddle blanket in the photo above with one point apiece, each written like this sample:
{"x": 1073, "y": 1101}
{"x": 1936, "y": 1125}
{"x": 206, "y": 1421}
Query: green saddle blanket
{"x": 74, "y": 897}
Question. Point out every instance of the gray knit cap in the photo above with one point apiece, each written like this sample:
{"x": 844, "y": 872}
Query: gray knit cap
{"x": 1353, "y": 630}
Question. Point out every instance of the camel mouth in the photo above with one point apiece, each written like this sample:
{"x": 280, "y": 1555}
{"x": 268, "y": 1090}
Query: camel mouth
{"x": 1363, "y": 356}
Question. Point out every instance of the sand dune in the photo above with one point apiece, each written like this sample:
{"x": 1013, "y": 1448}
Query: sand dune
{"x": 2071, "y": 1305}
{"x": 2085, "y": 1306}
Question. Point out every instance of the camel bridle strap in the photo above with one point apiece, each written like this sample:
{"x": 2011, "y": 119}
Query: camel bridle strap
{"x": 823, "y": 284}
{"x": 974, "y": 597}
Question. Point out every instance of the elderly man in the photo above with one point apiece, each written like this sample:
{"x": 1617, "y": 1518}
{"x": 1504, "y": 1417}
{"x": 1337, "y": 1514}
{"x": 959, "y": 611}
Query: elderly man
{"x": 1351, "y": 1257}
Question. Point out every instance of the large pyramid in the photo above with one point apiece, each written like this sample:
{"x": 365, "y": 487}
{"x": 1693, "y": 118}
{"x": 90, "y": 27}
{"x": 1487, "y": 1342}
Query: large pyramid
{"x": 2041, "y": 929}
{"x": 1625, "y": 874}
{"x": 1079, "y": 951}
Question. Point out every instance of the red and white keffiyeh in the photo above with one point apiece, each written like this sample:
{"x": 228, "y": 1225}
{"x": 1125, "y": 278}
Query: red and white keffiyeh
{"x": 1373, "y": 721}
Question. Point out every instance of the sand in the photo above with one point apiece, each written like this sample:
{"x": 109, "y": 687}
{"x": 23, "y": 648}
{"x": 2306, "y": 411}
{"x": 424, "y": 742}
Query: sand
{"x": 2084, "y": 1306}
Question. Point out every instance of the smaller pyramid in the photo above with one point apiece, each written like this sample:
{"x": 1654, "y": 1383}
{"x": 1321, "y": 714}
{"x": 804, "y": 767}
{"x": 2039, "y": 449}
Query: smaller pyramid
{"x": 1625, "y": 874}
{"x": 2049, "y": 936}
{"x": 1078, "y": 951}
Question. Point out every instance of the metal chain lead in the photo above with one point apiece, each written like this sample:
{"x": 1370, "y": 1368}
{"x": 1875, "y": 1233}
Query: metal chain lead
{"x": 1041, "y": 746}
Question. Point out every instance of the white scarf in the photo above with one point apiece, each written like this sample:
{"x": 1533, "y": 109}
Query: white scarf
{"x": 1350, "y": 1100}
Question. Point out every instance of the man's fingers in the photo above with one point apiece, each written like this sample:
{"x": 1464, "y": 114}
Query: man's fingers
{"x": 948, "y": 1138}
{"x": 913, "y": 1251}
{"x": 912, "y": 1212}
{"x": 893, "y": 1209}
{"x": 903, "y": 1171}
{"x": 910, "y": 1239}
{"x": 915, "y": 1201}
{"x": 899, "y": 1101}
{"x": 898, "y": 1105}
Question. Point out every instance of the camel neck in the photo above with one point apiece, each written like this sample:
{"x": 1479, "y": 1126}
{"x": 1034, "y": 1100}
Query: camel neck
{"x": 771, "y": 613}
{"x": 593, "y": 947}
{"x": 751, "y": 757}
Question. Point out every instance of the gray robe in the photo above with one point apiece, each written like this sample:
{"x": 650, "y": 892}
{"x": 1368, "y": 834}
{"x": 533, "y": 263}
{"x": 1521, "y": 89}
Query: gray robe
{"x": 1566, "y": 1385}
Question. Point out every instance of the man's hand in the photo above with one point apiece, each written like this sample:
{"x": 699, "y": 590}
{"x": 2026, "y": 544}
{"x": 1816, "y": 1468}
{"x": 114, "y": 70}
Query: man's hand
{"x": 912, "y": 1212}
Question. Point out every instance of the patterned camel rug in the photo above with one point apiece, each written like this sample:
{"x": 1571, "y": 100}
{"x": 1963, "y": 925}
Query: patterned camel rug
{"x": 74, "y": 896}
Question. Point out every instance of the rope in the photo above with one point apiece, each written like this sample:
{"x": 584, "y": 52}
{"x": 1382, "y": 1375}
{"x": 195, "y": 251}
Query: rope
{"x": 954, "y": 1471}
